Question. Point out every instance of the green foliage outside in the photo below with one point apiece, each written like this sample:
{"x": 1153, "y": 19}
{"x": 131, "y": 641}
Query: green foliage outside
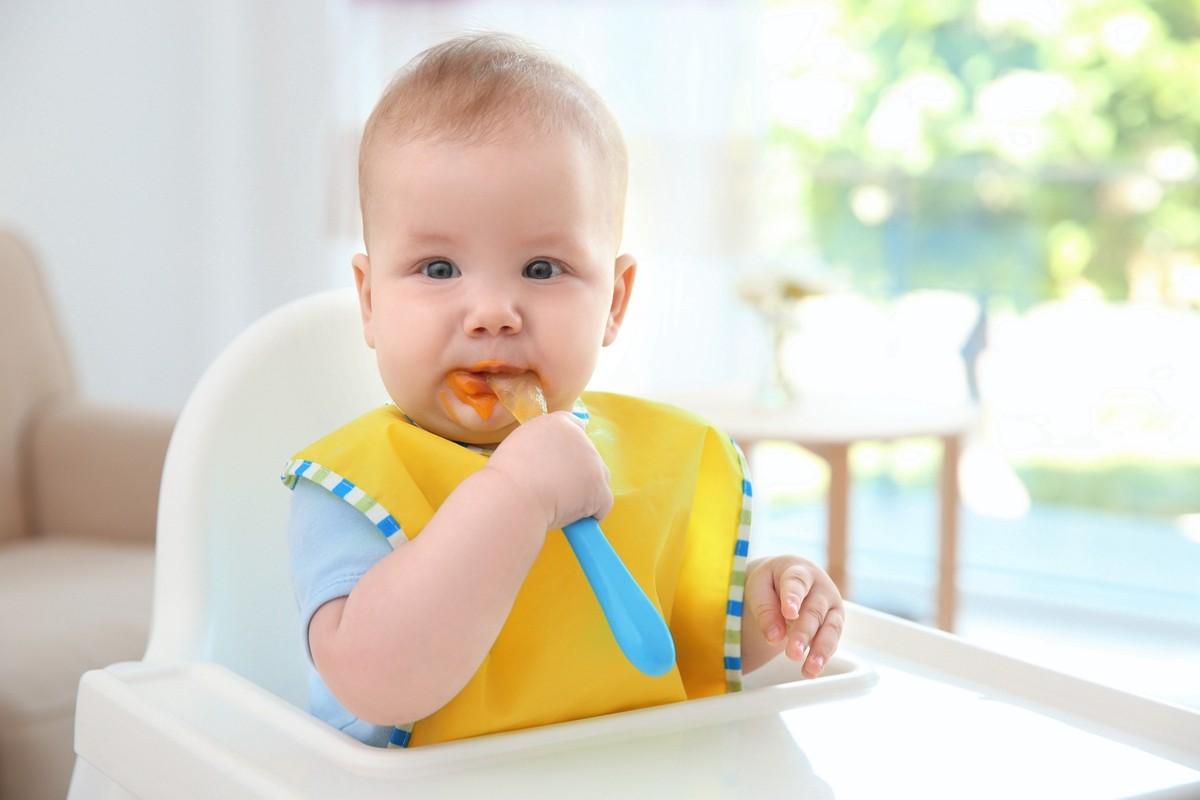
{"x": 1008, "y": 149}
{"x": 1127, "y": 486}
{"x": 1131, "y": 487}
{"x": 1011, "y": 149}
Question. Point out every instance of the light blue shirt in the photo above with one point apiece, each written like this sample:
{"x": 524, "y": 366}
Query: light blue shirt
{"x": 332, "y": 545}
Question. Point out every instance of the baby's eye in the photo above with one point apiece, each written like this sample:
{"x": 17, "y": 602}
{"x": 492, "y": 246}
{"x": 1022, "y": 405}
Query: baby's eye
{"x": 541, "y": 270}
{"x": 440, "y": 270}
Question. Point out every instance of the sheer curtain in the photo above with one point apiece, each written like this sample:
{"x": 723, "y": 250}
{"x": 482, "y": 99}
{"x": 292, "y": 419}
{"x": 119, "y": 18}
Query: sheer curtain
{"x": 684, "y": 80}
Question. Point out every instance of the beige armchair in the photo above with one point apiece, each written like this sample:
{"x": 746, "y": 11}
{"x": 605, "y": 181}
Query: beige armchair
{"x": 78, "y": 496}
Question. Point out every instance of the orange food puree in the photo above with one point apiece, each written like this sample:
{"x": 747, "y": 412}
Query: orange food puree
{"x": 473, "y": 390}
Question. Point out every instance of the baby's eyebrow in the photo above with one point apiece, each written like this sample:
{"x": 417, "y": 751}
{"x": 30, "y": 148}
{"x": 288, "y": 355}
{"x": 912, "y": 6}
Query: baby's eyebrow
{"x": 552, "y": 240}
{"x": 430, "y": 237}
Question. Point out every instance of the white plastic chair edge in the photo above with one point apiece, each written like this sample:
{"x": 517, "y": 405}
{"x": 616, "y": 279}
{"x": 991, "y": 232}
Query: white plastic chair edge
{"x": 180, "y": 612}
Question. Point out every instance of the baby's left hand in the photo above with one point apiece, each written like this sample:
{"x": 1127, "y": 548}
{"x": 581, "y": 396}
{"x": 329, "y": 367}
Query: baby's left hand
{"x": 795, "y": 605}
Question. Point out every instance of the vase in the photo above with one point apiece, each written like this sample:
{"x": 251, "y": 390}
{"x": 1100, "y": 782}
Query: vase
{"x": 776, "y": 391}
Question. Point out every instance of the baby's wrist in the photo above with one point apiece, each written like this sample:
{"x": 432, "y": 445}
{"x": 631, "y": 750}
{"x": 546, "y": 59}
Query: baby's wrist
{"x": 514, "y": 492}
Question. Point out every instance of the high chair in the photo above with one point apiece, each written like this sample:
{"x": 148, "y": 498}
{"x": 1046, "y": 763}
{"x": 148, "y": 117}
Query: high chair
{"x": 215, "y": 708}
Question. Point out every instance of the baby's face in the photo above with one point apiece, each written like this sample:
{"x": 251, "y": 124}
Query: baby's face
{"x": 497, "y": 256}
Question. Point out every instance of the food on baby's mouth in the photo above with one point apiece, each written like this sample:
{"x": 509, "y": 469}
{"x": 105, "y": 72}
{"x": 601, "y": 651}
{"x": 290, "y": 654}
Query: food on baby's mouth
{"x": 520, "y": 394}
{"x": 471, "y": 389}
{"x": 480, "y": 388}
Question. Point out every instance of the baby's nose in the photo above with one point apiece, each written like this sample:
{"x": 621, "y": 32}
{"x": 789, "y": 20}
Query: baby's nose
{"x": 493, "y": 319}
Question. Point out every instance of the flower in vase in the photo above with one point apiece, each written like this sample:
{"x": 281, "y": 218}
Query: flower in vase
{"x": 771, "y": 291}
{"x": 775, "y": 293}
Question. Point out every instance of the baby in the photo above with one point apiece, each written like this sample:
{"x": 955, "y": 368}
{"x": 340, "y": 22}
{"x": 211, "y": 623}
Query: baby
{"x": 438, "y": 598}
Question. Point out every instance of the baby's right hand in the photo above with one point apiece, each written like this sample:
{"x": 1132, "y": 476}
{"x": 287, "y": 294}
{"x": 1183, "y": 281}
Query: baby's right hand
{"x": 551, "y": 461}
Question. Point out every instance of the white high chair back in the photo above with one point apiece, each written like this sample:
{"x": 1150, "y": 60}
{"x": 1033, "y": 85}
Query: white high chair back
{"x": 222, "y": 588}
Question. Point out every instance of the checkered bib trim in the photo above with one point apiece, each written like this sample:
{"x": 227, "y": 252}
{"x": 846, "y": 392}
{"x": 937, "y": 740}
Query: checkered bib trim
{"x": 737, "y": 584}
{"x": 296, "y": 469}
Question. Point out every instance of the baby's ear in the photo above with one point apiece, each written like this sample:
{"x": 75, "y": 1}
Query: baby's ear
{"x": 626, "y": 271}
{"x": 362, "y": 284}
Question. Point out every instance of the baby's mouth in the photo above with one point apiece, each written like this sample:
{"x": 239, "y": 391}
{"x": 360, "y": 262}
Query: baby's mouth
{"x": 472, "y": 389}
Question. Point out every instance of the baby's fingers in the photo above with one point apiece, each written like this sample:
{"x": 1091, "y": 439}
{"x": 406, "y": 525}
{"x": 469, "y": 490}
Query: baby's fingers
{"x": 760, "y": 591}
{"x": 794, "y": 584}
{"x": 825, "y": 642}
{"x": 813, "y": 612}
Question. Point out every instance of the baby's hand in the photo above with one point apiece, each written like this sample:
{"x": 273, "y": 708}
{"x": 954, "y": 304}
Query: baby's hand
{"x": 551, "y": 461}
{"x": 795, "y": 603}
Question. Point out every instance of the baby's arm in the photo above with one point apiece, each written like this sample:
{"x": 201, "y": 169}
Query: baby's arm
{"x": 417, "y": 625}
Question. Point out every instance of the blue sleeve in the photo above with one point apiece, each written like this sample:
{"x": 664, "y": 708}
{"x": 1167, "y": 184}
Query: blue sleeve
{"x": 332, "y": 545}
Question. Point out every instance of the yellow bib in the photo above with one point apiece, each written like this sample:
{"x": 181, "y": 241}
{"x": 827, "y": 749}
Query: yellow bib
{"x": 680, "y": 523}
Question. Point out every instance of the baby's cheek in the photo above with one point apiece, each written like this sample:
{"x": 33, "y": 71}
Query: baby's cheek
{"x": 403, "y": 385}
{"x": 576, "y": 362}
{"x": 565, "y": 389}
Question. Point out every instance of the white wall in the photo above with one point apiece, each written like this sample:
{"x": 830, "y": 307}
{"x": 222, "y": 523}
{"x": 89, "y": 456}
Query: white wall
{"x": 168, "y": 162}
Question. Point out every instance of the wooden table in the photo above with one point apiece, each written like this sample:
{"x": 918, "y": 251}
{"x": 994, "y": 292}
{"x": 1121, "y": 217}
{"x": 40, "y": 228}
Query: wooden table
{"x": 829, "y": 427}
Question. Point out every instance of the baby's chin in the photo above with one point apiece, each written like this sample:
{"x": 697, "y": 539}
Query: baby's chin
{"x": 465, "y": 423}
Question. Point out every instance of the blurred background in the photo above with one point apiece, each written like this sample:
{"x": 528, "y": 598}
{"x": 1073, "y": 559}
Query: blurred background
{"x": 989, "y": 205}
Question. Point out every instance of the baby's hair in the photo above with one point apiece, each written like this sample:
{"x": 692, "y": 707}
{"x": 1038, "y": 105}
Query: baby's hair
{"x": 478, "y": 87}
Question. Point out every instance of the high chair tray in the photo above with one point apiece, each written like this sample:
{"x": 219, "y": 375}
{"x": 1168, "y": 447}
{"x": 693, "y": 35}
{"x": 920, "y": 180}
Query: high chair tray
{"x": 902, "y": 710}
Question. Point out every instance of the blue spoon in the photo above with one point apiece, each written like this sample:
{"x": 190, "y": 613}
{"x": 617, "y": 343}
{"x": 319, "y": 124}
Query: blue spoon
{"x": 637, "y": 626}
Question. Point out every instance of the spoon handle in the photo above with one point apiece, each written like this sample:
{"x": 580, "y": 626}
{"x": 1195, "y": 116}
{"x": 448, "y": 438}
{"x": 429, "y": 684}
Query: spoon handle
{"x": 639, "y": 629}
